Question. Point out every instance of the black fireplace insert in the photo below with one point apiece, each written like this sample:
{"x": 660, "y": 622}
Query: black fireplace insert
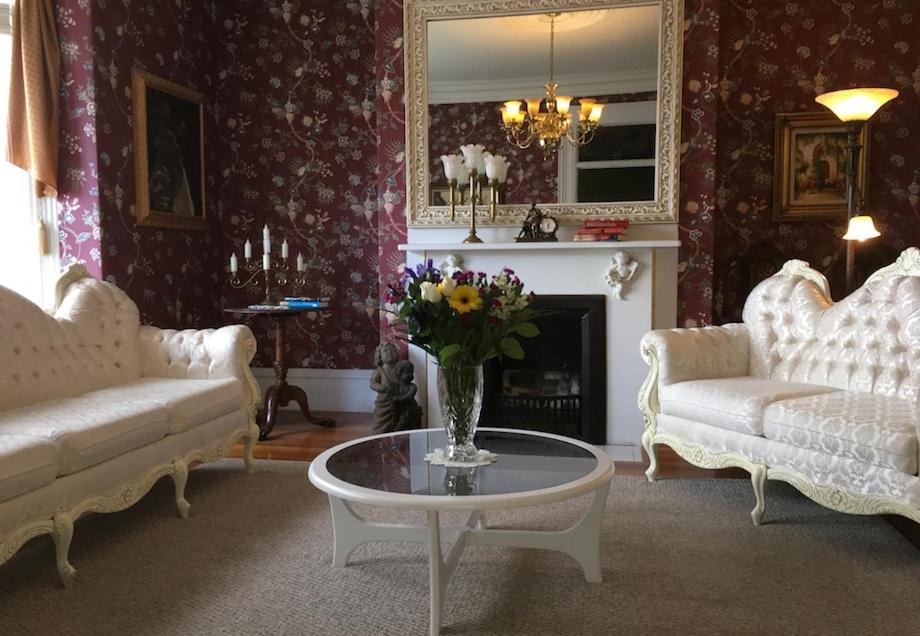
{"x": 560, "y": 385}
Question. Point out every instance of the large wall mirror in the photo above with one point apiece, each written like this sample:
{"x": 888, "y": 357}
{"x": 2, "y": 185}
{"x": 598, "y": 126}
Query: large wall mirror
{"x": 478, "y": 73}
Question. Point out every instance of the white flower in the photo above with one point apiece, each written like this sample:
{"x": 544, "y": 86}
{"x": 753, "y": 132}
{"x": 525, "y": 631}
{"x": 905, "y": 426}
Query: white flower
{"x": 430, "y": 292}
{"x": 447, "y": 287}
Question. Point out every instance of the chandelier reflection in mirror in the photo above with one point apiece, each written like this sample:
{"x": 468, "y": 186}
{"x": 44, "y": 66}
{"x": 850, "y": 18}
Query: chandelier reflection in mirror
{"x": 525, "y": 122}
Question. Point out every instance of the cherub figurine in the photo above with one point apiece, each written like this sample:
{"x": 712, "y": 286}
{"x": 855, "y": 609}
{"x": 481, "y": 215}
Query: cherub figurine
{"x": 622, "y": 269}
{"x": 395, "y": 408}
{"x": 383, "y": 380}
{"x": 408, "y": 412}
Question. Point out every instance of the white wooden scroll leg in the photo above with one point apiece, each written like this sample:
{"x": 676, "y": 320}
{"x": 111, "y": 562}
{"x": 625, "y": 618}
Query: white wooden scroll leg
{"x": 650, "y": 449}
{"x": 180, "y": 478}
{"x": 758, "y": 479}
{"x": 249, "y": 444}
{"x": 62, "y": 535}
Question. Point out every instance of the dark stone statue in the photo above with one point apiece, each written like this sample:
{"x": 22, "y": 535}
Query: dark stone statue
{"x": 396, "y": 408}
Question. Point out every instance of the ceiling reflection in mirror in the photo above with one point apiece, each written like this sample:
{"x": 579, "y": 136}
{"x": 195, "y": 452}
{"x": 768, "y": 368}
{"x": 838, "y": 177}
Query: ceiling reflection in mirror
{"x": 568, "y": 98}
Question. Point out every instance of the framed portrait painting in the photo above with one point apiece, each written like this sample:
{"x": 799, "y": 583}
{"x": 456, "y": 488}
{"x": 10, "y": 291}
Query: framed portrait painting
{"x": 810, "y": 180}
{"x": 168, "y": 153}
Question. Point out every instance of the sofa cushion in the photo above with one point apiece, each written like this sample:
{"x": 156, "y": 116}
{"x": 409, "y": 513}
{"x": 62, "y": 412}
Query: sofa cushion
{"x": 85, "y": 432}
{"x": 876, "y": 429}
{"x": 736, "y": 404}
{"x": 26, "y": 463}
{"x": 188, "y": 402}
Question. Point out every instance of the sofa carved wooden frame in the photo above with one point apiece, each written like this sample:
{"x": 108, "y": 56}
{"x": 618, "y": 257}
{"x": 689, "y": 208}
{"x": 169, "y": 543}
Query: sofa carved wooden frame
{"x": 830, "y": 496}
{"x": 125, "y": 495}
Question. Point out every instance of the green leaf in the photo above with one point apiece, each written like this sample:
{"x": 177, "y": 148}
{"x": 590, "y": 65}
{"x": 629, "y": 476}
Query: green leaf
{"x": 512, "y": 348}
{"x": 527, "y": 330}
{"x": 449, "y": 352}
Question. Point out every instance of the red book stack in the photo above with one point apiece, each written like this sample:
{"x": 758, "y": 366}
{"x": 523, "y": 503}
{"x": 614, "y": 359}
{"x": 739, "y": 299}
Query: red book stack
{"x": 603, "y": 230}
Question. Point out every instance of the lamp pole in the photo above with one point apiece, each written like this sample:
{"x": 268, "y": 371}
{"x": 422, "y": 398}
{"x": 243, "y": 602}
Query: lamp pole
{"x": 853, "y": 148}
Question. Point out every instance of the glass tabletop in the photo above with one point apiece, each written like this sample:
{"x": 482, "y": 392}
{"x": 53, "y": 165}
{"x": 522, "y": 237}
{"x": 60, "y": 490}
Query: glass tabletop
{"x": 396, "y": 464}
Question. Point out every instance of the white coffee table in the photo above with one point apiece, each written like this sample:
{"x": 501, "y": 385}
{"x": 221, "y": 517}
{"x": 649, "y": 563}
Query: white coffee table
{"x": 532, "y": 469}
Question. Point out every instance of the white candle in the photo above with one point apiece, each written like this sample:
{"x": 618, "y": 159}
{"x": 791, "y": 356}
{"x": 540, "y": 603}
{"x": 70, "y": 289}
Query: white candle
{"x": 284, "y": 249}
{"x": 300, "y": 267}
{"x": 247, "y": 250}
{"x": 234, "y": 264}
{"x": 266, "y": 240}
{"x": 266, "y": 262}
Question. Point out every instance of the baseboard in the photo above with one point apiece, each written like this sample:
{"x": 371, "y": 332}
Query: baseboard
{"x": 623, "y": 452}
{"x": 338, "y": 390}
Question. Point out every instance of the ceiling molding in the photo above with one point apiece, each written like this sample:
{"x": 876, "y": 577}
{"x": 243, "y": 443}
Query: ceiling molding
{"x": 581, "y": 85}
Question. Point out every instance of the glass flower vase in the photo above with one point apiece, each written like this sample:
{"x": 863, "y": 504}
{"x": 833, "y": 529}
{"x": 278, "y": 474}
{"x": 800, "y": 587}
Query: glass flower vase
{"x": 460, "y": 398}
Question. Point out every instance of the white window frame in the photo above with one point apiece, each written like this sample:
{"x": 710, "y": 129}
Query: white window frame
{"x": 620, "y": 114}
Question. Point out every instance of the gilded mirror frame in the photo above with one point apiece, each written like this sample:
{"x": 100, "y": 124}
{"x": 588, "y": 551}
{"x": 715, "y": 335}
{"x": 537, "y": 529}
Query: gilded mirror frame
{"x": 667, "y": 176}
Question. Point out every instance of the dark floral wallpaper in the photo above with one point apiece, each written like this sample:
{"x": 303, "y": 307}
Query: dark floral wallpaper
{"x": 391, "y": 150}
{"x": 697, "y": 163}
{"x": 174, "y": 276}
{"x": 80, "y": 231}
{"x": 306, "y": 132}
{"x": 776, "y": 57}
{"x": 298, "y": 134}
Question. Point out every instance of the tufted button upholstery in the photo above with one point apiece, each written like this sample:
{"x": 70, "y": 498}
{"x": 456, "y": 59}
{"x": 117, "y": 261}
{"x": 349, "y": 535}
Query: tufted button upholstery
{"x": 77, "y": 343}
{"x": 868, "y": 342}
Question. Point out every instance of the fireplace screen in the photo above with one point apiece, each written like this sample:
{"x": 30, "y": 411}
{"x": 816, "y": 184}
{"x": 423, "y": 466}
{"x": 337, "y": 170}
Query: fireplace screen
{"x": 559, "y": 385}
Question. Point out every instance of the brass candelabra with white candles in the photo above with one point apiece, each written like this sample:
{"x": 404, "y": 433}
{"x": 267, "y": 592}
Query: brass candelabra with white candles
{"x": 268, "y": 273}
{"x": 470, "y": 168}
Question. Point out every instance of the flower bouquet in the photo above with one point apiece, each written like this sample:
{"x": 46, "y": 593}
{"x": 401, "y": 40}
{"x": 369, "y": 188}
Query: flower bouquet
{"x": 463, "y": 319}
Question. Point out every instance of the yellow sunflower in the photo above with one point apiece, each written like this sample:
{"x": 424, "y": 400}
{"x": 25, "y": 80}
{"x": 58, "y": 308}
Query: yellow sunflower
{"x": 465, "y": 299}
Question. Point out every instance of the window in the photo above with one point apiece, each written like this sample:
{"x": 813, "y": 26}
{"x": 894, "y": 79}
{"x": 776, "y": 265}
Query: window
{"x": 23, "y": 216}
{"x": 619, "y": 164}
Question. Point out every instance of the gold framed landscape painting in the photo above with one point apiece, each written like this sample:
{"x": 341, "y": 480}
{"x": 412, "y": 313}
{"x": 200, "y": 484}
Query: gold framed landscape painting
{"x": 810, "y": 182}
{"x": 168, "y": 122}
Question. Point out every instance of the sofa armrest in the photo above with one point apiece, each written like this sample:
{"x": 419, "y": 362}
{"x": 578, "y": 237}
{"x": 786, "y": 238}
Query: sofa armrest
{"x": 677, "y": 355}
{"x": 202, "y": 354}
{"x": 698, "y": 354}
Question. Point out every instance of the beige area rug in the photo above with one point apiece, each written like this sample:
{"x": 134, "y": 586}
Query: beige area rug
{"x": 680, "y": 556}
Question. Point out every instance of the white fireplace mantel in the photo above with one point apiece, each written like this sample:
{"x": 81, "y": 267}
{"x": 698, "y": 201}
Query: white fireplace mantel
{"x": 649, "y": 301}
{"x": 420, "y": 248}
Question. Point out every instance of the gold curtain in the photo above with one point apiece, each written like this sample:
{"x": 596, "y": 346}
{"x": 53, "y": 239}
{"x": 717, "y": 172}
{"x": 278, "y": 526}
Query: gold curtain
{"x": 33, "y": 127}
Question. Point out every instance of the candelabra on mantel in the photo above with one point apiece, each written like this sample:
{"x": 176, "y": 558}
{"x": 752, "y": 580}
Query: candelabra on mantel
{"x": 269, "y": 271}
{"x": 471, "y": 168}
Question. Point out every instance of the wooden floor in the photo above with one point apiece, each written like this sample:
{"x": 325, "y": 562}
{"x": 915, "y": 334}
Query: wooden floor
{"x": 294, "y": 439}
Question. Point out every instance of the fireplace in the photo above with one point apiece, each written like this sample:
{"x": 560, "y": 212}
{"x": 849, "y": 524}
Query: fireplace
{"x": 560, "y": 385}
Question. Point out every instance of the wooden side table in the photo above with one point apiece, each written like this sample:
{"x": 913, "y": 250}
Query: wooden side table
{"x": 280, "y": 393}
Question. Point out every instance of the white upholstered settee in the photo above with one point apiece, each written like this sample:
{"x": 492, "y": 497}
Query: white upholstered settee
{"x": 823, "y": 396}
{"x": 95, "y": 408}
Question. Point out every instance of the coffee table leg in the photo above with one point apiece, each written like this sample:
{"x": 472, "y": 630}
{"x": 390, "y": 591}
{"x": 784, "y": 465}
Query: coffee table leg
{"x": 437, "y": 580}
{"x": 582, "y": 541}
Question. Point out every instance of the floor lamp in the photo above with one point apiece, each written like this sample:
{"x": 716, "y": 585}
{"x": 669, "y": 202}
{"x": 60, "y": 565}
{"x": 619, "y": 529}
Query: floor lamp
{"x": 854, "y": 107}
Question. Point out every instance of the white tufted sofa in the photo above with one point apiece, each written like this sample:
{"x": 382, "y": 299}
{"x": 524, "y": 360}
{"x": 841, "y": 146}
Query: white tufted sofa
{"x": 94, "y": 408}
{"x": 823, "y": 396}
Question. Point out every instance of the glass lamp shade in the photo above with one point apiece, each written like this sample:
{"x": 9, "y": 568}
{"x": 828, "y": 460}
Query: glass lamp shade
{"x": 861, "y": 228}
{"x": 533, "y": 106}
{"x": 596, "y": 111}
{"x": 562, "y": 104}
{"x": 856, "y": 104}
